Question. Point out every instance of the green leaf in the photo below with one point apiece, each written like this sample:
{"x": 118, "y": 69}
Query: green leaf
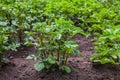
{"x": 58, "y": 36}
{"x": 28, "y": 43}
{"x": 51, "y": 60}
{"x": 65, "y": 68}
{"x": 107, "y": 60}
{"x": 32, "y": 57}
{"x": 70, "y": 44}
{"x": 76, "y": 52}
{"x": 39, "y": 66}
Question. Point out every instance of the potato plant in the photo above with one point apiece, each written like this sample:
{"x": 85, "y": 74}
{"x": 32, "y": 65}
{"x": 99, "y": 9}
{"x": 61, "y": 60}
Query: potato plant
{"x": 108, "y": 47}
{"x": 54, "y": 45}
{"x": 20, "y": 16}
{"x": 92, "y": 16}
{"x": 3, "y": 40}
{"x": 5, "y": 44}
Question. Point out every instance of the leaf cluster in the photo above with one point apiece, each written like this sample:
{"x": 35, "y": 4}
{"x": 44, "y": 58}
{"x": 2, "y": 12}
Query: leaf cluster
{"x": 54, "y": 45}
{"x": 108, "y": 47}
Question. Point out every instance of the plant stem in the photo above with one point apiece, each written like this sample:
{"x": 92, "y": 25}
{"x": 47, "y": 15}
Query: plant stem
{"x": 63, "y": 58}
{"x": 20, "y": 35}
{"x": 58, "y": 58}
{"x": 66, "y": 59}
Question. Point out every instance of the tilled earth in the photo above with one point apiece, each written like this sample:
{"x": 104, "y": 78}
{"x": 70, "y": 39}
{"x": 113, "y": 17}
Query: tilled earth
{"x": 19, "y": 68}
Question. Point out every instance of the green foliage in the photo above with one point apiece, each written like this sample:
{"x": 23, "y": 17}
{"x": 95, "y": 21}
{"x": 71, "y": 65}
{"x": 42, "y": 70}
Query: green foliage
{"x": 54, "y": 45}
{"x": 3, "y": 40}
{"x": 65, "y": 68}
{"x": 20, "y": 16}
{"x": 108, "y": 46}
{"x": 91, "y": 16}
{"x": 39, "y": 66}
{"x": 50, "y": 25}
{"x": 5, "y": 44}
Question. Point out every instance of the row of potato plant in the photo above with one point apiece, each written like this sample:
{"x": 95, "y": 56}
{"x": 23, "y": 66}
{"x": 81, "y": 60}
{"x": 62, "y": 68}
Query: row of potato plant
{"x": 108, "y": 47}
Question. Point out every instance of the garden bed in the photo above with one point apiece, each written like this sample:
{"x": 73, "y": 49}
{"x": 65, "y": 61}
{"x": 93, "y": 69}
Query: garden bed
{"x": 19, "y": 68}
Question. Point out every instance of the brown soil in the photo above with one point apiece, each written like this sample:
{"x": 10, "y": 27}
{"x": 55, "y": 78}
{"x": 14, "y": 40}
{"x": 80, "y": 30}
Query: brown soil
{"x": 82, "y": 69}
